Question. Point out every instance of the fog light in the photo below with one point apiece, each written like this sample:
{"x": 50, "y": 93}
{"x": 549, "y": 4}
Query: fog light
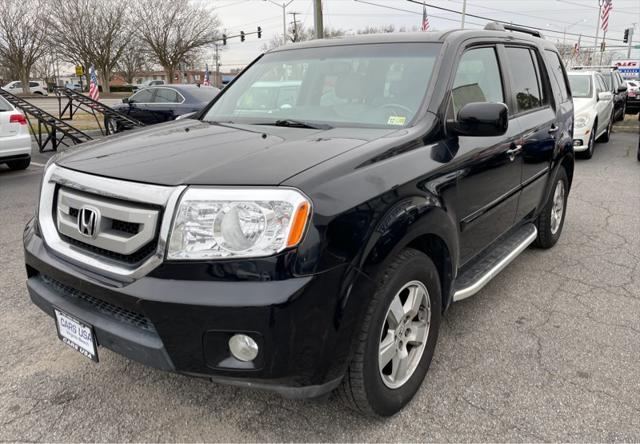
{"x": 243, "y": 347}
{"x": 577, "y": 142}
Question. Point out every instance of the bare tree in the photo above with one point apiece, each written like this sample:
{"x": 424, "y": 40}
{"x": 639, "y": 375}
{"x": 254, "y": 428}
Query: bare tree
{"x": 174, "y": 31}
{"x": 22, "y": 36}
{"x": 132, "y": 61}
{"x": 91, "y": 32}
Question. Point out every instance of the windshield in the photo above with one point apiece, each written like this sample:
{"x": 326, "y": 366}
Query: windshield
{"x": 376, "y": 85}
{"x": 580, "y": 85}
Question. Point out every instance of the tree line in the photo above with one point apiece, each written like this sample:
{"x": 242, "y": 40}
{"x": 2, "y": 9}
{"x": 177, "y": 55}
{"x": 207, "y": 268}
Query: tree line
{"x": 111, "y": 35}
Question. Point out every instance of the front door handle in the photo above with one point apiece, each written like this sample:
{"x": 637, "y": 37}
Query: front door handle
{"x": 553, "y": 129}
{"x": 513, "y": 152}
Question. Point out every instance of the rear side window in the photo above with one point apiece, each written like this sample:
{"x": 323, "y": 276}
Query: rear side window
{"x": 557, "y": 74}
{"x": 166, "y": 95}
{"x": 525, "y": 79}
{"x": 477, "y": 79}
{"x": 4, "y": 105}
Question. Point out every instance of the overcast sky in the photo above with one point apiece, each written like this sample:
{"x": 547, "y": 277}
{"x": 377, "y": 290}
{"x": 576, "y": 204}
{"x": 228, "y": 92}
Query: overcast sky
{"x": 577, "y": 16}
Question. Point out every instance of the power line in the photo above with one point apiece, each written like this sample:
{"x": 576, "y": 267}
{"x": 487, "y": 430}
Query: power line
{"x": 500, "y": 21}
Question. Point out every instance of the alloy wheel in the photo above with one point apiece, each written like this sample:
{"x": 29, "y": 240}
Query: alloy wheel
{"x": 404, "y": 334}
{"x": 557, "y": 210}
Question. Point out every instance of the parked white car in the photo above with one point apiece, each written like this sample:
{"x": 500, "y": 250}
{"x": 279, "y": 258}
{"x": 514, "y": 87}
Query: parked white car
{"x": 35, "y": 86}
{"x": 15, "y": 140}
{"x": 592, "y": 110}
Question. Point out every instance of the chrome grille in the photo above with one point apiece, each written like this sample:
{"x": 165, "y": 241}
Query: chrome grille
{"x": 132, "y": 221}
{"x": 120, "y": 227}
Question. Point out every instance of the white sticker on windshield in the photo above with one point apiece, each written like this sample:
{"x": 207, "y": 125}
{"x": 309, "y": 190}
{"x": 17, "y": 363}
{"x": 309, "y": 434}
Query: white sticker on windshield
{"x": 396, "y": 120}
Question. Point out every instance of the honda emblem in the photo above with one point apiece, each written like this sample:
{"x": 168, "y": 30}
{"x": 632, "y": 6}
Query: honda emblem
{"x": 88, "y": 221}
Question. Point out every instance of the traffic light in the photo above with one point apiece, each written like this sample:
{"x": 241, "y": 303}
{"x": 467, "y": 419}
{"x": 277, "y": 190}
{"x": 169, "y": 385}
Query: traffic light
{"x": 259, "y": 32}
{"x": 242, "y": 36}
{"x": 603, "y": 46}
{"x": 626, "y": 36}
{"x": 224, "y": 39}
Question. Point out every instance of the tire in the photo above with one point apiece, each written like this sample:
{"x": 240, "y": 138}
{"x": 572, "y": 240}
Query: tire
{"x": 38, "y": 93}
{"x": 622, "y": 112}
{"x": 549, "y": 222}
{"x": 366, "y": 387}
{"x": 21, "y": 164}
{"x": 110, "y": 126}
{"x": 588, "y": 154}
{"x": 607, "y": 135}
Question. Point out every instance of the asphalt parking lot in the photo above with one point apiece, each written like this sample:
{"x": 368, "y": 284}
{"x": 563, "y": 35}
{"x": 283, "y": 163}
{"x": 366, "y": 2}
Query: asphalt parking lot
{"x": 548, "y": 351}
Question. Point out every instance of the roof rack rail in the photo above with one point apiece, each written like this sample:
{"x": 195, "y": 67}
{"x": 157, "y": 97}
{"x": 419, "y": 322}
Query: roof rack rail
{"x": 613, "y": 67}
{"x": 496, "y": 26}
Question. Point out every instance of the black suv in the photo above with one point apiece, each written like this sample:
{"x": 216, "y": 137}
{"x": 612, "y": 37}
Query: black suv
{"x": 311, "y": 241}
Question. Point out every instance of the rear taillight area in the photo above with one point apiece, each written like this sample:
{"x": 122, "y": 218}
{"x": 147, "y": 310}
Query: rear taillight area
{"x": 18, "y": 118}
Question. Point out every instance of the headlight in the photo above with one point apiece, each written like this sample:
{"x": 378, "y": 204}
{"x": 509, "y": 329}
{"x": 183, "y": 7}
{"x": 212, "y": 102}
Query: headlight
{"x": 213, "y": 223}
{"x": 581, "y": 121}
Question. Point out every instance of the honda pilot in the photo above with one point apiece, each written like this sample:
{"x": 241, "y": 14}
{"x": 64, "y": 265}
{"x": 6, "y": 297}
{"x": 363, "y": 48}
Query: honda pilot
{"x": 313, "y": 242}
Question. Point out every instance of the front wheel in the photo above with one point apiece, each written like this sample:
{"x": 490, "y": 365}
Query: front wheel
{"x": 398, "y": 337}
{"x": 110, "y": 126}
{"x": 607, "y": 135}
{"x": 551, "y": 218}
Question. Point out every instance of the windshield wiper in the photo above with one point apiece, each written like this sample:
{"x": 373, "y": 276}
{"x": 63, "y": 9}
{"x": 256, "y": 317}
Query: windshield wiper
{"x": 298, "y": 124}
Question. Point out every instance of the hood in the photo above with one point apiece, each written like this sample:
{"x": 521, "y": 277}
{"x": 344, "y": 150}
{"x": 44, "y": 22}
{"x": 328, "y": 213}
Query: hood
{"x": 191, "y": 152}
{"x": 581, "y": 105}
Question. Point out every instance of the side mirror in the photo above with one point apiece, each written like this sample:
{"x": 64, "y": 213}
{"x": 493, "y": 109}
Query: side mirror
{"x": 481, "y": 119}
{"x": 125, "y": 100}
{"x": 622, "y": 88}
{"x": 605, "y": 96}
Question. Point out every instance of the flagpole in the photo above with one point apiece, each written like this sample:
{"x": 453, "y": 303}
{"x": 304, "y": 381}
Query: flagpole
{"x": 598, "y": 23}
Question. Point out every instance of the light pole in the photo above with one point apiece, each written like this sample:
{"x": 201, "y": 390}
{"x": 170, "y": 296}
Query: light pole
{"x": 564, "y": 29}
{"x": 284, "y": 17}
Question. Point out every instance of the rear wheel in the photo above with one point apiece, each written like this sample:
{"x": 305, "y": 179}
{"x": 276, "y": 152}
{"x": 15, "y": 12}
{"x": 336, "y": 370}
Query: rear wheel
{"x": 110, "y": 125}
{"x": 21, "y": 164}
{"x": 622, "y": 112}
{"x": 398, "y": 337}
{"x": 551, "y": 219}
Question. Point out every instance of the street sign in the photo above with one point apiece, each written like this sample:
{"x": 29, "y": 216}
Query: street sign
{"x": 79, "y": 70}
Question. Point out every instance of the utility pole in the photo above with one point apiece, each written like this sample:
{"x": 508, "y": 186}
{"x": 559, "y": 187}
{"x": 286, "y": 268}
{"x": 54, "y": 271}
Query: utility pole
{"x": 317, "y": 19}
{"x": 295, "y": 26}
{"x": 464, "y": 13}
{"x": 284, "y": 17}
{"x": 217, "y": 60}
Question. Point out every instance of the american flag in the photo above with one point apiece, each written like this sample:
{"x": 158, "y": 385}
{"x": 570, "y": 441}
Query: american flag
{"x": 425, "y": 19}
{"x": 607, "y": 5}
{"x": 206, "y": 81}
{"x": 94, "y": 92}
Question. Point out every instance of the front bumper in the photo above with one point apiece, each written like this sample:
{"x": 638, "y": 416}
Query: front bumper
{"x": 581, "y": 138}
{"x": 184, "y": 325}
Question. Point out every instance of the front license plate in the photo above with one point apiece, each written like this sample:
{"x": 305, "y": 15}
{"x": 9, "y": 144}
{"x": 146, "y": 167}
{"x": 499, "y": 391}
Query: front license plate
{"x": 76, "y": 334}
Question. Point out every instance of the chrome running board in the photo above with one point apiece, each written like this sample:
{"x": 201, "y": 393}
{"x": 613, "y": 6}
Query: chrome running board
{"x": 489, "y": 264}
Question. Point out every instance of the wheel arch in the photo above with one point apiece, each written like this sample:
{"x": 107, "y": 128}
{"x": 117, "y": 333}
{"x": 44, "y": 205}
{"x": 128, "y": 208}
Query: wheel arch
{"x": 421, "y": 224}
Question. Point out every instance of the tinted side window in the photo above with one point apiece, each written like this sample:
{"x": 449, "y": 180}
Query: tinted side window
{"x": 33, "y": 84}
{"x": 166, "y": 95}
{"x": 524, "y": 79}
{"x": 143, "y": 96}
{"x": 558, "y": 74}
{"x": 477, "y": 79}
